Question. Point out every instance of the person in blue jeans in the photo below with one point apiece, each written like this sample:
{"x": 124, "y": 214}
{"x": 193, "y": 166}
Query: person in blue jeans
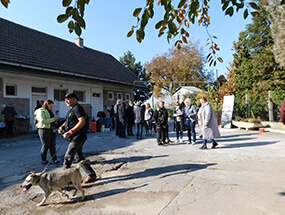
{"x": 178, "y": 119}
{"x": 190, "y": 115}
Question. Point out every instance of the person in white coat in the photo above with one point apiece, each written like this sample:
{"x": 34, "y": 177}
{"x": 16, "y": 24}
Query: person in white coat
{"x": 208, "y": 122}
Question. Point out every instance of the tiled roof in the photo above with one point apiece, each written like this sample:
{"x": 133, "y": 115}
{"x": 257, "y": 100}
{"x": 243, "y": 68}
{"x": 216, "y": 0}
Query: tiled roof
{"x": 22, "y": 45}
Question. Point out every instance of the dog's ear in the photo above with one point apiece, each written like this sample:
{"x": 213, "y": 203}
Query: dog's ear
{"x": 32, "y": 173}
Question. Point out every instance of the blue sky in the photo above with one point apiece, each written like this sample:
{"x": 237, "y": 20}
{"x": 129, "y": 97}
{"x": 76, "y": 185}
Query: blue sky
{"x": 109, "y": 21}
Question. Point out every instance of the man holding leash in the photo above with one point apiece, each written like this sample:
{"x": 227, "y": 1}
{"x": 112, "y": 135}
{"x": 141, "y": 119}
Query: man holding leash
{"x": 75, "y": 132}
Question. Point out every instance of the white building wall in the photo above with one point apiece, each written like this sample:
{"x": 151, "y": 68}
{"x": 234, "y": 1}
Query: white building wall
{"x": 25, "y": 83}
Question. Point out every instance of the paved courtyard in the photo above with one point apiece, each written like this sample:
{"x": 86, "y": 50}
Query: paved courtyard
{"x": 243, "y": 175}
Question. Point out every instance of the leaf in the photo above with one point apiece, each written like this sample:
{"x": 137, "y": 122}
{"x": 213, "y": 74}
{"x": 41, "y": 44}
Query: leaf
{"x": 186, "y": 23}
{"x": 138, "y": 36}
{"x": 215, "y": 63}
{"x": 159, "y": 24}
{"x": 77, "y": 29}
{"x": 193, "y": 7}
{"x": 71, "y": 24}
{"x": 220, "y": 59}
{"x": 69, "y": 11}
{"x": 66, "y": 3}
{"x": 254, "y": 6}
{"x": 61, "y": 18}
{"x": 245, "y": 14}
{"x": 5, "y": 3}
{"x": 181, "y": 3}
{"x": 217, "y": 47}
{"x": 172, "y": 27}
{"x": 225, "y": 5}
{"x": 230, "y": 11}
{"x": 130, "y": 33}
{"x": 137, "y": 12}
{"x": 160, "y": 34}
{"x": 184, "y": 39}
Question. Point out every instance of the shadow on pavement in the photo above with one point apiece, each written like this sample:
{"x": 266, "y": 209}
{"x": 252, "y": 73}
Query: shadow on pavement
{"x": 158, "y": 171}
{"x": 131, "y": 159}
{"x": 252, "y": 144}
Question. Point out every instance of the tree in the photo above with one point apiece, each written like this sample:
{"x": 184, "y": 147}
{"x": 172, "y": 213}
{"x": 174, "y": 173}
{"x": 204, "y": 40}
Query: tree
{"x": 254, "y": 71}
{"x": 178, "y": 67}
{"x": 176, "y": 20}
{"x": 145, "y": 91}
{"x": 277, "y": 16}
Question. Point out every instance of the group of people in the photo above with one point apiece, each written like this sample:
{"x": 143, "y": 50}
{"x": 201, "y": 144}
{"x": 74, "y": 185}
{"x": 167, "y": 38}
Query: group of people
{"x": 187, "y": 117}
{"x": 127, "y": 116}
{"x": 73, "y": 129}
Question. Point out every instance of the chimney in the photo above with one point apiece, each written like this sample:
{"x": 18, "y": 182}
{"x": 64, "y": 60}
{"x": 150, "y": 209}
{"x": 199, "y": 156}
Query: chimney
{"x": 79, "y": 42}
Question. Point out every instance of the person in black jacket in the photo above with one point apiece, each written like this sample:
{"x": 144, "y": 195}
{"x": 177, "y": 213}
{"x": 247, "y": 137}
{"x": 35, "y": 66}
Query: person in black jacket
{"x": 122, "y": 119}
{"x": 10, "y": 113}
{"x": 75, "y": 132}
{"x": 161, "y": 117}
{"x": 130, "y": 116}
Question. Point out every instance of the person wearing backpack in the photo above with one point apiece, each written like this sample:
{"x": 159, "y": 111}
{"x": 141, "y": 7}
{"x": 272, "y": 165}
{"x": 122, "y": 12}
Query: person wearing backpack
{"x": 76, "y": 132}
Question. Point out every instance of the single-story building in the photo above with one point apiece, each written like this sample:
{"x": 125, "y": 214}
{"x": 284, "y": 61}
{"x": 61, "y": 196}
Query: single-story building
{"x": 179, "y": 95}
{"x": 35, "y": 66}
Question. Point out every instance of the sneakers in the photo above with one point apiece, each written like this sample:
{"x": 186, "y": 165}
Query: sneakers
{"x": 214, "y": 145}
{"x": 203, "y": 147}
{"x": 193, "y": 142}
{"x": 181, "y": 140}
{"x": 44, "y": 162}
{"x": 56, "y": 162}
{"x": 90, "y": 179}
{"x": 177, "y": 141}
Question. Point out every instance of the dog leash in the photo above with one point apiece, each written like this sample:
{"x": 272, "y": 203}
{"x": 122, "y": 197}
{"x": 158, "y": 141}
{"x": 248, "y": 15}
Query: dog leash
{"x": 53, "y": 156}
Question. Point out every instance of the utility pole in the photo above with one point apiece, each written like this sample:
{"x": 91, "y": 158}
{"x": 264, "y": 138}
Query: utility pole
{"x": 247, "y": 105}
{"x": 270, "y": 106}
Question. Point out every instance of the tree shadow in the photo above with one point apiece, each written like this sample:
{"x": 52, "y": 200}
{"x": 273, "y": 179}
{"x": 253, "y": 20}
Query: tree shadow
{"x": 252, "y": 144}
{"x": 234, "y": 139}
{"x": 131, "y": 159}
{"x": 237, "y": 135}
{"x": 157, "y": 171}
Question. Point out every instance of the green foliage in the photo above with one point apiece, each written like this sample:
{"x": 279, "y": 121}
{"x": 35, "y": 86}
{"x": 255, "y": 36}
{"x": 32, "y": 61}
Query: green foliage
{"x": 256, "y": 71}
{"x": 143, "y": 92}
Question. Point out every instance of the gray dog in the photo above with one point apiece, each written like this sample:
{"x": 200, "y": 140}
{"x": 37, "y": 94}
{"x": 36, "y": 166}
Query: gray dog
{"x": 55, "y": 181}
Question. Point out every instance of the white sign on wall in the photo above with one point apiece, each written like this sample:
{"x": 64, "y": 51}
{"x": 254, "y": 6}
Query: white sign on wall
{"x": 227, "y": 113}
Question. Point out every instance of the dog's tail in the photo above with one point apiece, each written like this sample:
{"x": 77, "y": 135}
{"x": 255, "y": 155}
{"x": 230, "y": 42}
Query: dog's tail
{"x": 86, "y": 161}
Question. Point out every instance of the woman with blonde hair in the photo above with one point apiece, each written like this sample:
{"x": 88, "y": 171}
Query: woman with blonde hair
{"x": 148, "y": 118}
{"x": 208, "y": 122}
{"x": 190, "y": 115}
{"x": 45, "y": 118}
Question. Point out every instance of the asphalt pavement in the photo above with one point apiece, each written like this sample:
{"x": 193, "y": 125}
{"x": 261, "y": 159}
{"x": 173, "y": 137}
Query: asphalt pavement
{"x": 243, "y": 175}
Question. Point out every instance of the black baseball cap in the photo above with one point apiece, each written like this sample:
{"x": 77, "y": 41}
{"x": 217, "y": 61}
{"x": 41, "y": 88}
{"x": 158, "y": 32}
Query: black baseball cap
{"x": 71, "y": 95}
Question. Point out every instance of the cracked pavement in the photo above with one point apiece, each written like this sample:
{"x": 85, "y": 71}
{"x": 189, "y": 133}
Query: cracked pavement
{"x": 243, "y": 175}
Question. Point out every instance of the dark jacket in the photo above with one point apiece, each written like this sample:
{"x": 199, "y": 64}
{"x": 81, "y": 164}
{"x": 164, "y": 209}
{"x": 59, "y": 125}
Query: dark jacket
{"x": 139, "y": 114}
{"x": 160, "y": 115}
{"x": 130, "y": 114}
{"x": 9, "y": 112}
{"x": 282, "y": 112}
{"x": 122, "y": 110}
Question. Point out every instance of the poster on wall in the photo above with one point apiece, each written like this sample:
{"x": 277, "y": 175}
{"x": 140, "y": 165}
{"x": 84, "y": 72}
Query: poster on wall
{"x": 227, "y": 113}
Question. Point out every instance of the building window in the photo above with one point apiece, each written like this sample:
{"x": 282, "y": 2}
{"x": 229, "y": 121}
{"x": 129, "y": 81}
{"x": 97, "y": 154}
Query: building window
{"x": 59, "y": 95}
{"x": 110, "y": 96}
{"x": 119, "y": 96}
{"x": 128, "y": 97}
{"x": 11, "y": 90}
{"x": 80, "y": 95}
{"x": 38, "y": 90}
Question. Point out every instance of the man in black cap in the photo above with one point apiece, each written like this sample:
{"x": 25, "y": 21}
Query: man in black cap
{"x": 76, "y": 133}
